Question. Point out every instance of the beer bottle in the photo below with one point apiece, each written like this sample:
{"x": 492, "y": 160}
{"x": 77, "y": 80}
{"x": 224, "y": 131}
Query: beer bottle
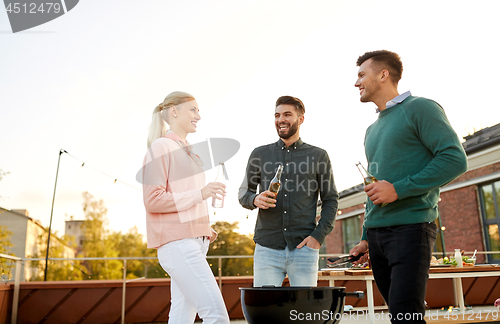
{"x": 368, "y": 178}
{"x": 275, "y": 184}
{"x": 219, "y": 203}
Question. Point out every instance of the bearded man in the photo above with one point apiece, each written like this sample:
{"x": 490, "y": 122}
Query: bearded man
{"x": 287, "y": 234}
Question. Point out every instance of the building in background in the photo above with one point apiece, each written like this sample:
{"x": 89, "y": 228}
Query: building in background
{"x": 25, "y": 239}
{"x": 469, "y": 206}
{"x": 74, "y": 228}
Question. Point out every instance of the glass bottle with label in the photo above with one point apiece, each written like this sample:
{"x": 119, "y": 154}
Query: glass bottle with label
{"x": 275, "y": 184}
{"x": 219, "y": 203}
{"x": 368, "y": 178}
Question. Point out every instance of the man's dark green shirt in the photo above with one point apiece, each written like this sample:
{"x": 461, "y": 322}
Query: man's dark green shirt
{"x": 307, "y": 175}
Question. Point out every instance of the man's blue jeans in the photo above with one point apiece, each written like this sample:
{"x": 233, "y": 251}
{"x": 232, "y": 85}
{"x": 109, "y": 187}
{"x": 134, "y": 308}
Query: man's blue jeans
{"x": 270, "y": 266}
{"x": 400, "y": 258}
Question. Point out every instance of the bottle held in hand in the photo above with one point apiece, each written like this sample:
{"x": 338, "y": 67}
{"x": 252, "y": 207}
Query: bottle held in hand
{"x": 275, "y": 184}
{"x": 219, "y": 203}
{"x": 368, "y": 178}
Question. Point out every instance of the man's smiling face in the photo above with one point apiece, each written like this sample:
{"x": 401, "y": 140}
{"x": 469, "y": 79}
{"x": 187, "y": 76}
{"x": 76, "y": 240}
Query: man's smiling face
{"x": 287, "y": 121}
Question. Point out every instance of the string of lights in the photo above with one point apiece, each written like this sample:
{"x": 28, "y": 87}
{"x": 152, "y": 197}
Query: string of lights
{"x": 104, "y": 173}
{"x": 61, "y": 151}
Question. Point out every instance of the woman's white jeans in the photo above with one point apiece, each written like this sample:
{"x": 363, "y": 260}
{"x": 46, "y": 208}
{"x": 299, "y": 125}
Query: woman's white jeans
{"x": 193, "y": 286}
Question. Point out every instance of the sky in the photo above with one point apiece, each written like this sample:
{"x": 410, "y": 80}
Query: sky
{"x": 88, "y": 81}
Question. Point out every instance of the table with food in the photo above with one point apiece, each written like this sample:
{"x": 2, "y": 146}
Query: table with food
{"x": 453, "y": 267}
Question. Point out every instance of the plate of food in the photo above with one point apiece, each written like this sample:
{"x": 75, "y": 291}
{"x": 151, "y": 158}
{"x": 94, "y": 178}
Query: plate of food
{"x": 487, "y": 265}
{"x": 441, "y": 265}
{"x": 451, "y": 262}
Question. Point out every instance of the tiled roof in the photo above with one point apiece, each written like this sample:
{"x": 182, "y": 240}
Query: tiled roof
{"x": 482, "y": 139}
{"x": 347, "y": 192}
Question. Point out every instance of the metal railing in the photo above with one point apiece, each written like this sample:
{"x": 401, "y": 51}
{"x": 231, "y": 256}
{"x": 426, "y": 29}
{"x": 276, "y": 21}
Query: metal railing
{"x": 17, "y": 283}
{"x": 20, "y": 261}
{"x": 19, "y": 264}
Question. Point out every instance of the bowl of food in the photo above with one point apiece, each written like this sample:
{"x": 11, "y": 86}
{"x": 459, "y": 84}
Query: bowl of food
{"x": 451, "y": 262}
{"x": 283, "y": 305}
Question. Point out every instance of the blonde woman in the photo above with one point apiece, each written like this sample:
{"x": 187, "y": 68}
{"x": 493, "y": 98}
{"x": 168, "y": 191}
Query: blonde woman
{"x": 176, "y": 212}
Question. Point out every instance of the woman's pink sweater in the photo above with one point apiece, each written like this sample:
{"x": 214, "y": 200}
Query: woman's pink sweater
{"x": 172, "y": 183}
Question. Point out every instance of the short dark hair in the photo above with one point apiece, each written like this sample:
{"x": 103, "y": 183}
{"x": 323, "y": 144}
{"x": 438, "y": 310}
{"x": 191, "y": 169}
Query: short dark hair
{"x": 385, "y": 60}
{"x": 289, "y": 100}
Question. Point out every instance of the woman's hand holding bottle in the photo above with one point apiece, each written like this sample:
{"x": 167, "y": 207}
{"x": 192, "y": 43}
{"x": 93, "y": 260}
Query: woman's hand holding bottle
{"x": 215, "y": 190}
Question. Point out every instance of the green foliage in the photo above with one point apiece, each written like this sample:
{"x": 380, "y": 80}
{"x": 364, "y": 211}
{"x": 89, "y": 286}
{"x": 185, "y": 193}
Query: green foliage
{"x": 132, "y": 244}
{"x": 5, "y": 245}
{"x": 230, "y": 242}
{"x": 56, "y": 270}
{"x": 100, "y": 242}
{"x": 96, "y": 243}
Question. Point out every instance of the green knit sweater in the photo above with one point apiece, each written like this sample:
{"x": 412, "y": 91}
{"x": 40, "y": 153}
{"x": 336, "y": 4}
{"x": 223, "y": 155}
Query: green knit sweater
{"x": 413, "y": 146}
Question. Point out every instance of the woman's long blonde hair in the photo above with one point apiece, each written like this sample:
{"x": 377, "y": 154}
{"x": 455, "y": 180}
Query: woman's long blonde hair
{"x": 158, "y": 126}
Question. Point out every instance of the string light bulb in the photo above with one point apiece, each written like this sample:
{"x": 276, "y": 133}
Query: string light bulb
{"x": 107, "y": 175}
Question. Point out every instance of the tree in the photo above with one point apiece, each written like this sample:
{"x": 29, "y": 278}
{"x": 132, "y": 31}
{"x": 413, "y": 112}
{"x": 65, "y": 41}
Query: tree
{"x": 230, "y": 242}
{"x": 99, "y": 242}
{"x": 96, "y": 243}
{"x": 132, "y": 244}
{"x": 5, "y": 245}
{"x": 56, "y": 270}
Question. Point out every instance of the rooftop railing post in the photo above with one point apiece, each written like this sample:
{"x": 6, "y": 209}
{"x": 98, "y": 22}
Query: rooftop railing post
{"x": 220, "y": 273}
{"x": 124, "y": 286}
{"x": 15, "y": 301}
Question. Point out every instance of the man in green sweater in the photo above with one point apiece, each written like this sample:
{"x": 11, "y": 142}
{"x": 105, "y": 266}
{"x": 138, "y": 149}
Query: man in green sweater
{"x": 412, "y": 150}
